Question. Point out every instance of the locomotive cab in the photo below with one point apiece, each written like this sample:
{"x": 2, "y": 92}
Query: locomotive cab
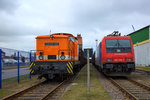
{"x": 115, "y": 55}
{"x": 119, "y": 56}
{"x": 56, "y": 55}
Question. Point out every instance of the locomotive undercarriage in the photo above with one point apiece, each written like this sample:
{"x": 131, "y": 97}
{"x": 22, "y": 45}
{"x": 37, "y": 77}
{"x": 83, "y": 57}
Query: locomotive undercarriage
{"x": 55, "y": 69}
{"x": 117, "y": 69}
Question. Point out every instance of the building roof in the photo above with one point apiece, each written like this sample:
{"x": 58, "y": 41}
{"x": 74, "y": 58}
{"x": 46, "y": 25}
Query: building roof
{"x": 138, "y": 30}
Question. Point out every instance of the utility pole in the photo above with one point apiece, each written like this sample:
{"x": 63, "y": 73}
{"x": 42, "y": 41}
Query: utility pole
{"x": 96, "y": 42}
{"x": 88, "y": 71}
{"x": 18, "y": 68}
{"x": 50, "y": 32}
{"x": 133, "y": 28}
{"x": 0, "y": 68}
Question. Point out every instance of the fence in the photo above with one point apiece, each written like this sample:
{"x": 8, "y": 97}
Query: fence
{"x": 15, "y": 63}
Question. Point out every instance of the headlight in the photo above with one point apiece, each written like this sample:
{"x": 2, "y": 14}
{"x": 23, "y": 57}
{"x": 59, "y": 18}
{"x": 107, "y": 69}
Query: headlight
{"x": 128, "y": 59}
{"x": 51, "y": 36}
{"x": 62, "y": 57}
{"x": 40, "y": 57}
{"x": 109, "y": 59}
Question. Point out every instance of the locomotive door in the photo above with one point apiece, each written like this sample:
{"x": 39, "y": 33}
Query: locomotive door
{"x": 70, "y": 55}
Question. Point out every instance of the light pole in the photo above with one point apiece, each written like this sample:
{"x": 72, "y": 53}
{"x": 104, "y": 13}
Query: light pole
{"x": 96, "y": 42}
{"x": 88, "y": 71}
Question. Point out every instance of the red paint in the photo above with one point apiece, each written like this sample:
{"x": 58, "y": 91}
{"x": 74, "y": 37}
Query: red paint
{"x": 116, "y": 57}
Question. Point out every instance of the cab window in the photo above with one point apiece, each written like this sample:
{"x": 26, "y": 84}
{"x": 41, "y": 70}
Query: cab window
{"x": 72, "y": 39}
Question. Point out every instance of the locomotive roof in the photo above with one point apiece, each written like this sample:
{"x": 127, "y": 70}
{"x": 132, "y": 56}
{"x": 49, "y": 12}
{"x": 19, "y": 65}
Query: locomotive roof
{"x": 55, "y": 35}
{"x": 117, "y": 37}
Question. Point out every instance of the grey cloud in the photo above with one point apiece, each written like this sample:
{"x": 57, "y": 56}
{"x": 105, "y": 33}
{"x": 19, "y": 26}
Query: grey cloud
{"x": 8, "y": 5}
{"x": 113, "y": 13}
{"x": 92, "y": 18}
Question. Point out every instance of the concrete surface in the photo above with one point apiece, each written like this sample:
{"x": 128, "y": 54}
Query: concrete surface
{"x": 14, "y": 72}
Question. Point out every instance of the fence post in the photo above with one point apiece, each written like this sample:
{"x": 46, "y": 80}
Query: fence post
{"x": 0, "y": 68}
{"x": 18, "y": 67}
{"x": 29, "y": 65}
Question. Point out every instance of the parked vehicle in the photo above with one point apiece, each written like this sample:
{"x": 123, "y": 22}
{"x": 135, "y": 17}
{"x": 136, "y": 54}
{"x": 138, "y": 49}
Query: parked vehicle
{"x": 57, "y": 55}
{"x": 115, "y": 55}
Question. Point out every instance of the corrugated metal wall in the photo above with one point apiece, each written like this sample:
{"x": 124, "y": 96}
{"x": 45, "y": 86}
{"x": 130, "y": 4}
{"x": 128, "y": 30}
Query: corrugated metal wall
{"x": 142, "y": 55}
{"x": 142, "y": 51}
{"x": 140, "y": 35}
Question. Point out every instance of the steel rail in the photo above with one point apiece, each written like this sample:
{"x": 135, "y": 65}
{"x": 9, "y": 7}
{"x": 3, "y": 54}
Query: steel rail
{"x": 123, "y": 90}
{"x": 130, "y": 95}
{"x": 12, "y": 96}
{"x": 15, "y": 95}
{"x": 54, "y": 89}
{"x": 141, "y": 70}
{"x": 139, "y": 84}
{"x": 46, "y": 96}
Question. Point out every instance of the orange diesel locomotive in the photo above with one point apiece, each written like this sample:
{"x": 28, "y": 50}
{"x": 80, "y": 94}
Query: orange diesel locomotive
{"x": 57, "y": 55}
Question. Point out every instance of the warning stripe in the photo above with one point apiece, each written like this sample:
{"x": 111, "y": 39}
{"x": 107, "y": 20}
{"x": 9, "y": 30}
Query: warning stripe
{"x": 31, "y": 65}
{"x": 32, "y": 71}
{"x": 69, "y": 68}
{"x": 70, "y": 65}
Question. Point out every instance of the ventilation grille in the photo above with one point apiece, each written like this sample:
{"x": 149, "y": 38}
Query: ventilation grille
{"x": 51, "y": 56}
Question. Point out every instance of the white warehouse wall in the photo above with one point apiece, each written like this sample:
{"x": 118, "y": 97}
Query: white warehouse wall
{"x": 142, "y": 55}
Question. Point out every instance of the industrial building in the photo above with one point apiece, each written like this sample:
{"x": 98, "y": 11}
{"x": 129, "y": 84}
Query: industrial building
{"x": 141, "y": 42}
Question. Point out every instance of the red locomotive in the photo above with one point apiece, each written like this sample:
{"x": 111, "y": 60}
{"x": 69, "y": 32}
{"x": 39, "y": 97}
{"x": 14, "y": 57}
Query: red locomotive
{"x": 115, "y": 55}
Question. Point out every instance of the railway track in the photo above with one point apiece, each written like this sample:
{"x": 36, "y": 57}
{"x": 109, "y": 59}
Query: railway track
{"x": 133, "y": 89}
{"x": 41, "y": 91}
{"x": 145, "y": 71}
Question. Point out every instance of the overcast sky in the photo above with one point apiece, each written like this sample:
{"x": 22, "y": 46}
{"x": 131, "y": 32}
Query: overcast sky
{"x": 22, "y": 20}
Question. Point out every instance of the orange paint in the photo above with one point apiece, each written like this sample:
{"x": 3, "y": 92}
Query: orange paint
{"x": 56, "y": 45}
